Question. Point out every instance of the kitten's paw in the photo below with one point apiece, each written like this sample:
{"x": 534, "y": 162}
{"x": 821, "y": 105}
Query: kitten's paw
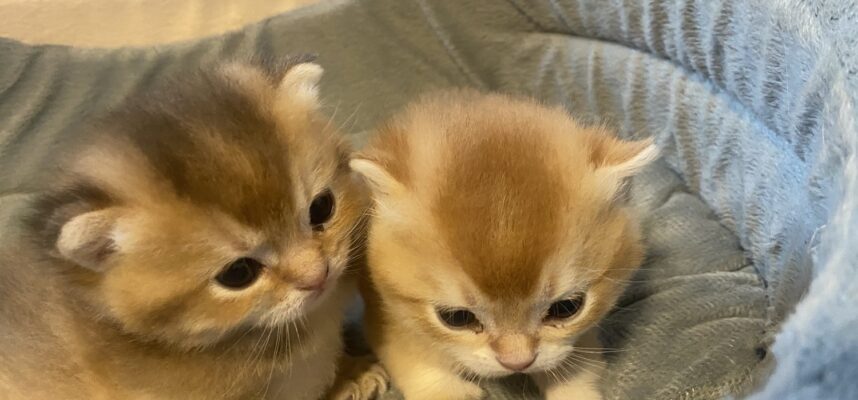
{"x": 474, "y": 392}
{"x": 447, "y": 390}
{"x": 368, "y": 385}
{"x": 579, "y": 386}
{"x": 571, "y": 392}
{"x": 365, "y": 379}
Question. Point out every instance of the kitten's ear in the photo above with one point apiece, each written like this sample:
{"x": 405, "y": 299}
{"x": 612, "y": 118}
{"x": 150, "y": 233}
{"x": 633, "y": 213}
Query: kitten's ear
{"x": 300, "y": 86}
{"x": 380, "y": 181}
{"x": 616, "y": 160}
{"x": 88, "y": 239}
{"x": 622, "y": 158}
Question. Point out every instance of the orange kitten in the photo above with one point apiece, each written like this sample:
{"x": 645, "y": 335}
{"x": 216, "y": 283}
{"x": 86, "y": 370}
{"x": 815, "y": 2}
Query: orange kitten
{"x": 499, "y": 239}
{"x": 191, "y": 248}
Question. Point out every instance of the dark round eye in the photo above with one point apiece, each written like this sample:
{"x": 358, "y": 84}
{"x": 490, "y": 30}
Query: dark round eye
{"x": 321, "y": 209}
{"x": 240, "y": 273}
{"x": 458, "y": 318}
{"x": 564, "y": 309}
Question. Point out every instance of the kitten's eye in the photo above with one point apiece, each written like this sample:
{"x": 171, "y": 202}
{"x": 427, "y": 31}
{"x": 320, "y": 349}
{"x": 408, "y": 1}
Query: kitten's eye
{"x": 458, "y": 318}
{"x": 240, "y": 273}
{"x": 321, "y": 209}
{"x": 564, "y": 308}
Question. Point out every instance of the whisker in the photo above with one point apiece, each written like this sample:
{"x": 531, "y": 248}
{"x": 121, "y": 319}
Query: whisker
{"x": 588, "y": 363}
{"x": 274, "y": 360}
{"x": 554, "y": 376}
{"x": 597, "y": 352}
{"x": 349, "y": 120}
{"x": 572, "y": 366}
{"x": 333, "y": 116}
{"x": 235, "y": 343}
{"x": 600, "y": 349}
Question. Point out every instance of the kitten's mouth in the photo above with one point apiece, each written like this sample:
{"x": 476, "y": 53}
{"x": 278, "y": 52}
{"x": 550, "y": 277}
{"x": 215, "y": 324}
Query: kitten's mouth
{"x": 473, "y": 374}
{"x": 318, "y": 290}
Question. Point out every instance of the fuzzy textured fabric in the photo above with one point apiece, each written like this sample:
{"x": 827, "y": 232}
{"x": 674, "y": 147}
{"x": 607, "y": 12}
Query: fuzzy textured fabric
{"x": 750, "y": 218}
{"x": 817, "y": 348}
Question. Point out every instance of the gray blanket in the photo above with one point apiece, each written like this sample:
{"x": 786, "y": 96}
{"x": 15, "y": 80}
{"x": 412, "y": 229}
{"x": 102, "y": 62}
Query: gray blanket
{"x": 751, "y": 102}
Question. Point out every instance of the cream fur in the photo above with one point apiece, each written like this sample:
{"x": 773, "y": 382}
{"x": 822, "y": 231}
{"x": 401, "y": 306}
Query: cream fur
{"x": 115, "y": 290}
{"x": 528, "y": 193}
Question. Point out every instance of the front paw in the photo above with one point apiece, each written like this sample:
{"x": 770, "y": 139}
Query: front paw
{"x": 474, "y": 392}
{"x": 443, "y": 389}
{"x": 573, "y": 392}
{"x": 362, "y": 379}
{"x": 583, "y": 385}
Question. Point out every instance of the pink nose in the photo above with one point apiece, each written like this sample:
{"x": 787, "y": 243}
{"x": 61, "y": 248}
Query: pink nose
{"x": 317, "y": 282}
{"x": 517, "y": 364}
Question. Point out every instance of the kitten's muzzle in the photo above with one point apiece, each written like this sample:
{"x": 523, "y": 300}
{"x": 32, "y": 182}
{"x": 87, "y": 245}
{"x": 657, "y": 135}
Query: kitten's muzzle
{"x": 517, "y": 364}
{"x": 316, "y": 282}
{"x": 515, "y": 352}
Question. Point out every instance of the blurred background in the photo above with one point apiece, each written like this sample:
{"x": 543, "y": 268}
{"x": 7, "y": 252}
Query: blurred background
{"x": 113, "y": 23}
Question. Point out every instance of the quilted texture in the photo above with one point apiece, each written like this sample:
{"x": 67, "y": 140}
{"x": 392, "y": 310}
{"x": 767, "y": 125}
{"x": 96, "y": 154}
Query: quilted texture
{"x": 751, "y": 101}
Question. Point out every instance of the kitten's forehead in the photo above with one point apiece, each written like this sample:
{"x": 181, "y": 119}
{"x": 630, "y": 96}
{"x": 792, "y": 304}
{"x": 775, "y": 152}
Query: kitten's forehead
{"x": 500, "y": 207}
{"x": 503, "y": 186}
{"x": 215, "y": 141}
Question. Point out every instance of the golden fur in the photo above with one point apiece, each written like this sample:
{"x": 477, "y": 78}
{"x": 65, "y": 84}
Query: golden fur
{"x": 500, "y": 206}
{"x": 112, "y": 294}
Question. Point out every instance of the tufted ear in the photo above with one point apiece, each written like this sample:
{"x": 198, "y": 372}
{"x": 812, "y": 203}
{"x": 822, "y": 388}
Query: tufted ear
{"x": 622, "y": 158}
{"x": 88, "y": 239}
{"x": 388, "y": 192}
{"x": 380, "y": 181}
{"x": 299, "y": 87}
{"x": 616, "y": 160}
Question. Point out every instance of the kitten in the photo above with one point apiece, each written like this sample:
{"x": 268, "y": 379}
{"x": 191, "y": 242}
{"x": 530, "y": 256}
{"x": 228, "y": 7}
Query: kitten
{"x": 499, "y": 240}
{"x": 191, "y": 247}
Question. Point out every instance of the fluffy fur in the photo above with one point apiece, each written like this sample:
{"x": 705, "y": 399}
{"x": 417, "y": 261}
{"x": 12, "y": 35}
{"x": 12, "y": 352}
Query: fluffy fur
{"x": 113, "y": 294}
{"x": 502, "y": 207}
{"x": 735, "y": 91}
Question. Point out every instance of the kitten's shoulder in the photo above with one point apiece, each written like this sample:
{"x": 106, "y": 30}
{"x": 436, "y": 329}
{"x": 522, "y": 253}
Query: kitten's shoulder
{"x": 36, "y": 326}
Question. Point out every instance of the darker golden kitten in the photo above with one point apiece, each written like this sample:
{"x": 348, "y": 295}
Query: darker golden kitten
{"x": 498, "y": 241}
{"x": 191, "y": 247}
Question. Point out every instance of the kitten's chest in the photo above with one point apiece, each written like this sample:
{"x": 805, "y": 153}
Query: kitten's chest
{"x": 299, "y": 373}
{"x": 298, "y": 364}
{"x": 307, "y": 378}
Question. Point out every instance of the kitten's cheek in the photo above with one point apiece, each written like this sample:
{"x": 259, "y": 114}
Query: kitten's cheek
{"x": 338, "y": 267}
{"x": 552, "y": 357}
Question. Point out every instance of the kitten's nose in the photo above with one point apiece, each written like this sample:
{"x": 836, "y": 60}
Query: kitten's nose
{"x": 316, "y": 281}
{"x": 516, "y": 351}
{"x": 517, "y": 362}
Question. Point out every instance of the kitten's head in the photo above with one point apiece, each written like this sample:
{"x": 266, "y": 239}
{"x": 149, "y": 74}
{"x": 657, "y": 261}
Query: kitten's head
{"x": 221, "y": 201}
{"x": 499, "y": 230}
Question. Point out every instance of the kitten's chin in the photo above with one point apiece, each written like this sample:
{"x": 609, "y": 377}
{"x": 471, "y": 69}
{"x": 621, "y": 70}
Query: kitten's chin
{"x": 312, "y": 299}
{"x": 486, "y": 368}
{"x": 499, "y": 373}
{"x": 483, "y": 370}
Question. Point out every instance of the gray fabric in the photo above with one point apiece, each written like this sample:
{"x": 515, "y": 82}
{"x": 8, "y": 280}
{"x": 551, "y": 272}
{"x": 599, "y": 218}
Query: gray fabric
{"x": 744, "y": 97}
{"x": 817, "y": 347}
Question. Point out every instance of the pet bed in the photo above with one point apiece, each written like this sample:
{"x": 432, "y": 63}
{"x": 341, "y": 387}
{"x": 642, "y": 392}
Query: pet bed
{"x": 751, "y": 277}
